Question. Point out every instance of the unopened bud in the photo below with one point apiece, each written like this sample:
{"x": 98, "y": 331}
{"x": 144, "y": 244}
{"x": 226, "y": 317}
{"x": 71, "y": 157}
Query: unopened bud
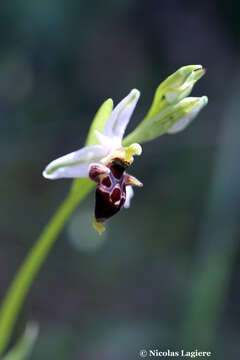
{"x": 171, "y": 119}
{"x": 175, "y": 88}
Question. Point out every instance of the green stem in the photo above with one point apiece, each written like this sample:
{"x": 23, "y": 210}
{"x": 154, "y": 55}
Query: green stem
{"x": 18, "y": 290}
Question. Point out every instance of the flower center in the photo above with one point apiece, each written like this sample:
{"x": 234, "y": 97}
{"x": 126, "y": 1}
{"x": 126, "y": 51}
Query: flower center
{"x": 122, "y": 156}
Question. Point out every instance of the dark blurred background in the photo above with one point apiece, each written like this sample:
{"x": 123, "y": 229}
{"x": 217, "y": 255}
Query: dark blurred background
{"x": 166, "y": 273}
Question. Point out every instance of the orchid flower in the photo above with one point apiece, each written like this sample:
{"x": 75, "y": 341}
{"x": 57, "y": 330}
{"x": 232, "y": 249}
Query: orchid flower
{"x": 104, "y": 163}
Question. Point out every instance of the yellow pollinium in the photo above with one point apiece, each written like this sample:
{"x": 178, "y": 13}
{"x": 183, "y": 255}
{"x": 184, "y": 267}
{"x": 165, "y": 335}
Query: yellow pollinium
{"x": 125, "y": 154}
{"x": 134, "y": 149}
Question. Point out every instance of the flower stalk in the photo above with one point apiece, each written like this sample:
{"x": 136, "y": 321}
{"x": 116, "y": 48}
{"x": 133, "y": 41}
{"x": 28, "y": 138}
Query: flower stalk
{"x": 17, "y": 292}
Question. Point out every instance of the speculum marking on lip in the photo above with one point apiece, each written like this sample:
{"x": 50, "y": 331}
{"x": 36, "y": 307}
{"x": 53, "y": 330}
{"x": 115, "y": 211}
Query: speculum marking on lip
{"x": 116, "y": 195}
{"x": 106, "y": 181}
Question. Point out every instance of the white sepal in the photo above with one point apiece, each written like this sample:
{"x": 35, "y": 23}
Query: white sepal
{"x": 75, "y": 164}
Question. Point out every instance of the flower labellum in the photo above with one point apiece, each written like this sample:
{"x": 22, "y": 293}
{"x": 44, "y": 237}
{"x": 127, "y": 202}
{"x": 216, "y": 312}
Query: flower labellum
{"x": 113, "y": 184}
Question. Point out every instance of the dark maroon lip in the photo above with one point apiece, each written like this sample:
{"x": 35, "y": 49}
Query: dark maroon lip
{"x": 110, "y": 193}
{"x": 111, "y": 180}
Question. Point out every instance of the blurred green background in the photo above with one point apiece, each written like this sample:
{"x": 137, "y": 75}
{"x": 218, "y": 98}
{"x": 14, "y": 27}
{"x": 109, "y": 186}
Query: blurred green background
{"x": 166, "y": 273}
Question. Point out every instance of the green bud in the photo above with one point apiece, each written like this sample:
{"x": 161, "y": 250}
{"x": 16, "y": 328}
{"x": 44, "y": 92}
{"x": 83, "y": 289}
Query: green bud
{"x": 175, "y": 88}
{"x": 171, "y": 119}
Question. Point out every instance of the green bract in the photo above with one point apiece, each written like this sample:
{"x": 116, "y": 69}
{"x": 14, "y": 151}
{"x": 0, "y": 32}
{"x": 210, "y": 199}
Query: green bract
{"x": 99, "y": 121}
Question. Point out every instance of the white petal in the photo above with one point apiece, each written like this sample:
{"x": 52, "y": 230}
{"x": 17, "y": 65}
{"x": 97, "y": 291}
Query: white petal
{"x": 75, "y": 164}
{"x": 110, "y": 143}
{"x": 120, "y": 116}
{"x": 129, "y": 195}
